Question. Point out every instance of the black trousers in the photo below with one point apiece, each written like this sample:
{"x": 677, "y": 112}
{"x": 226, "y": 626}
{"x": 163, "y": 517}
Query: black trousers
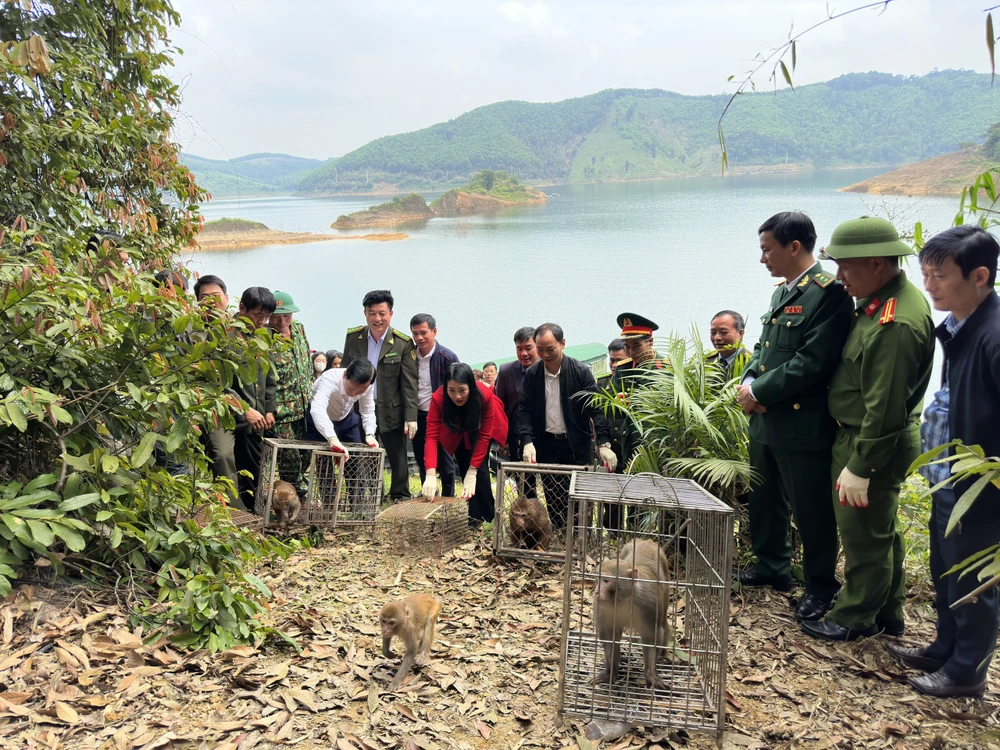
{"x": 552, "y": 450}
{"x": 445, "y": 464}
{"x": 394, "y": 443}
{"x": 967, "y": 636}
{"x": 481, "y": 504}
{"x": 246, "y": 451}
{"x": 348, "y": 429}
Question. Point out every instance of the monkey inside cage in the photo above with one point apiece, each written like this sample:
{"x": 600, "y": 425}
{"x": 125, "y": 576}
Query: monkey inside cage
{"x": 646, "y": 602}
{"x": 531, "y": 506}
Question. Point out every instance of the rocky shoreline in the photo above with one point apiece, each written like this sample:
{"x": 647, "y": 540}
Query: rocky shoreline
{"x": 245, "y": 240}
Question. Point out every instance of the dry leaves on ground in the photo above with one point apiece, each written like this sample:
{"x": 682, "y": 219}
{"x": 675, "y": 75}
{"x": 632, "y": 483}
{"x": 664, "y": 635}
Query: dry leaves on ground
{"x": 75, "y": 674}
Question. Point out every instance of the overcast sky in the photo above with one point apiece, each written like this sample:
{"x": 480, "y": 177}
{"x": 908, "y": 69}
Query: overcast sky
{"x": 319, "y": 78}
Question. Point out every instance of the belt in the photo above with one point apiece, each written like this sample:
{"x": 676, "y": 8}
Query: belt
{"x": 843, "y": 426}
{"x": 555, "y": 436}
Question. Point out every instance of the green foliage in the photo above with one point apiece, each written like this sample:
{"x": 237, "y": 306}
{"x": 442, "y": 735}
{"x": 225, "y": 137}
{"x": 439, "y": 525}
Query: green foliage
{"x": 412, "y": 205}
{"x": 226, "y": 225}
{"x": 690, "y": 423}
{"x": 915, "y": 514}
{"x": 858, "y": 119}
{"x": 253, "y": 174}
{"x": 499, "y": 184}
{"x": 104, "y": 377}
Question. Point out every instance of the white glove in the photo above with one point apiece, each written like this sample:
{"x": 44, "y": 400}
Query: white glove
{"x": 528, "y": 454}
{"x": 337, "y": 447}
{"x": 608, "y": 457}
{"x": 430, "y": 488}
{"x": 469, "y": 483}
{"x": 410, "y": 430}
{"x": 370, "y": 441}
{"x": 853, "y": 489}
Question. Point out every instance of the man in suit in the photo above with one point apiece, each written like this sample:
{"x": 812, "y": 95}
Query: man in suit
{"x": 434, "y": 361}
{"x": 726, "y": 334}
{"x": 510, "y": 383}
{"x": 791, "y": 432}
{"x": 557, "y": 418}
{"x": 395, "y": 360}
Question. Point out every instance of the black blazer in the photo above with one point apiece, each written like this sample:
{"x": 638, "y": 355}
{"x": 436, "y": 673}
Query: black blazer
{"x": 576, "y": 383}
{"x": 508, "y": 388}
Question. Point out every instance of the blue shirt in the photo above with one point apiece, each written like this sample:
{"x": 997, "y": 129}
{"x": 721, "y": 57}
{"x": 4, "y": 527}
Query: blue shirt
{"x": 374, "y": 349}
{"x": 934, "y": 429}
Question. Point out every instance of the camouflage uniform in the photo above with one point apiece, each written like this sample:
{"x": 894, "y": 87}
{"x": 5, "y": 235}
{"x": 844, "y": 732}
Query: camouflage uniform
{"x": 293, "y": 366}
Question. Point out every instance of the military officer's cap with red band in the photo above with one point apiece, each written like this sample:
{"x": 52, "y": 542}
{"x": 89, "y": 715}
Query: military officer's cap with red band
{"x": 635, "y": 326}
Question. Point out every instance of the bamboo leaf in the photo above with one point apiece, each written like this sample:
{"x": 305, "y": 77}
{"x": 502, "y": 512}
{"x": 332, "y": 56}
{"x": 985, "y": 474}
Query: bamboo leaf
{"x": 794, "y": 57}
{"x": 965, "y": 502}
{"x": 786, "y": 74}
{"x": 991, "y": 45}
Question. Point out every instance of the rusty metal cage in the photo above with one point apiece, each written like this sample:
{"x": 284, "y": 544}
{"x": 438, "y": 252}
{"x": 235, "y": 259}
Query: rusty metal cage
{"x": 614, "y": 513}
{"x": 550, "y": 483}
{"x": 338, "y": 493}
{"x": 424, "y": 527}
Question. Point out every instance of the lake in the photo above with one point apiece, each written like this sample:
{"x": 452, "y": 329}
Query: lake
{"x": 675, "y": 251}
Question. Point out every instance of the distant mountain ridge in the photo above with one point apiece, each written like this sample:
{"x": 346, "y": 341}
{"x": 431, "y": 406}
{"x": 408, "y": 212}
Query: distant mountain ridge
{"x": 253, "y": 174}
{"x": 859, "y": 119}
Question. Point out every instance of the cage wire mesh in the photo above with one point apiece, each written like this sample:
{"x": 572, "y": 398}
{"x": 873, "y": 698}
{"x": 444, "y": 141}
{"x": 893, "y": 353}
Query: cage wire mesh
{"x": 688, "y": 594}
{"x": 432, "y": 528}
{"x": 239, "y": 517}
{"x": 550, "y": 484}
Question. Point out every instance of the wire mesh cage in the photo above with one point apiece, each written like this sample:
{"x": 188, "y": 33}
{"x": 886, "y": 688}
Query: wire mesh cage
{"x": 239, "y": 517}
{"x": 432, "y": 528}
{"x": 646, "y": 602}
{"x": 335, "y": 492}
{"x": 519, "y": 484}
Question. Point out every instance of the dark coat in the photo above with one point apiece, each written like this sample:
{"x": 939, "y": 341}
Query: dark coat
{"x": 576, "y": 382}
{"x": 261, "y": 393}
{"x": 508, "y": 387}
{"x": 441, "y": 361}
{"x": 972, "y": 371}
{"x": 395, "y": 375}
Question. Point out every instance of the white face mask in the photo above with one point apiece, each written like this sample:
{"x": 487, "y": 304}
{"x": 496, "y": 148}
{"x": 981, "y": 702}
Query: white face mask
{"x": 319, "y": 364}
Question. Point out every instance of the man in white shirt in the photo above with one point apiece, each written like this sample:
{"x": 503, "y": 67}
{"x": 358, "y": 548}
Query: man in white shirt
{"x": 333, "y": 397}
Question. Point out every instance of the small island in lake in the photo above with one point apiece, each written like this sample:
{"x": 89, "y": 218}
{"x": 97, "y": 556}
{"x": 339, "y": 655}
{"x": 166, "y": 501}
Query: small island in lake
{"x": 238, "y": 234}
{"x": 412, "y": 207}
{"x": 487, "y": 191}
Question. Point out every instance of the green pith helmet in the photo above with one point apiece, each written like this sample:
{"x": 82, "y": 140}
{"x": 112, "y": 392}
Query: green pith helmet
{"x": 867, "y": 237}
{"x": 285, "y": 304}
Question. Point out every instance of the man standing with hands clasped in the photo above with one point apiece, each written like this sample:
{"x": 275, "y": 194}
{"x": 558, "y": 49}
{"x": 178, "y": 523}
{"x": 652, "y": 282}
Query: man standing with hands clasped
{"x": 785, "y": 391}
{"x": 876, "y": 395}
{"x": 395, "y": 361}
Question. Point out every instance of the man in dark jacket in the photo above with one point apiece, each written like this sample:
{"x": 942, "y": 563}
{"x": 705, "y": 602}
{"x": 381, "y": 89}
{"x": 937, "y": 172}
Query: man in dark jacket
{"x": 960, "y": 267}
{"x": 433, "y": 364}
{"x": 558, "y": 418}
{"x": 510, "y": 383}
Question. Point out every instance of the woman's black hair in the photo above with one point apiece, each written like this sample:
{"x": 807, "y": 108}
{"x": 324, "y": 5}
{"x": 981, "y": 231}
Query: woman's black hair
{"x": 331, "y": 355}
{"x": 469, "y": 417}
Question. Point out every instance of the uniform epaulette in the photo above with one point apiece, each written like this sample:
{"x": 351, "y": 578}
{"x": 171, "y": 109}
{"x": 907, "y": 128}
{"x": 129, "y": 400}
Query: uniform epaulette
{"x": 400, "y": 334}
{"x": 780, "y": 283}
{"x": 626, "y": 363}
{"x": 888, "y": 312}
{"x": 355, "y": 329}
{"x": 823, "y": 280}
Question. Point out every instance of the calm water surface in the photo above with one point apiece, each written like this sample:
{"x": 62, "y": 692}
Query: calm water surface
{"x": 675, "y": 251}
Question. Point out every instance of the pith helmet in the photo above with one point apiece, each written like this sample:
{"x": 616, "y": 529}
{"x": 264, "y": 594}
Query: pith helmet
{"x": 285, "y": 303}
{"x": 867, "y": 237}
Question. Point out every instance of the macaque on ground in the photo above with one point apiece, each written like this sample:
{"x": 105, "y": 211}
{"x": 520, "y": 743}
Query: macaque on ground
{"x": 530, "y": 527}
{"x": 285, "y": 502}
{"x": 412, "y": 621}
{"x": 628, "y": 597}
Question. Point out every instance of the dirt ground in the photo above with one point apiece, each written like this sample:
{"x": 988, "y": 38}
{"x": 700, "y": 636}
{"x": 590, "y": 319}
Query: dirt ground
{"x": 75, "y": 674}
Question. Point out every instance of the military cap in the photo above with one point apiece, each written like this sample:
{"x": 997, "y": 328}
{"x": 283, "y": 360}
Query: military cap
{"x": 867, "y": 237}
{"x": 285, "y": 304}
{"x": 635, "y": 326}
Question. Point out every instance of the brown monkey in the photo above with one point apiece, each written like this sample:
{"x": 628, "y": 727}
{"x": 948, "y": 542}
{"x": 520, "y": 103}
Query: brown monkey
{"x": 530, "y": 527}
{"x": 629, "y": 597}
{"x": 412, "y": 621}
{"x": 285, "y": 502}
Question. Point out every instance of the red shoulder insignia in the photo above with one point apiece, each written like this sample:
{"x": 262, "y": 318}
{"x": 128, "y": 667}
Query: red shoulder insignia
{"x": 888, "y": 312}
{"x": 873, "y": 307}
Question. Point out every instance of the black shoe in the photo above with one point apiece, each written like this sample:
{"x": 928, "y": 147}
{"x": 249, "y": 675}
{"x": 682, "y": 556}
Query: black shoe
{"x": 940, "y": 685}
{"x": 751, "y": 578}
{"x": 812, "y": 607}
{"x": 915, "y": 658}
{"x": 891, "y": 627}
{"x": 828, "y": 630}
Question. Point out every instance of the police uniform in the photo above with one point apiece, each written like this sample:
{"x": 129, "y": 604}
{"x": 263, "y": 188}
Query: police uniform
{"x": 395, "y": 396}
{"x": 876, "y": 395}
{"x": 805, "y": 327}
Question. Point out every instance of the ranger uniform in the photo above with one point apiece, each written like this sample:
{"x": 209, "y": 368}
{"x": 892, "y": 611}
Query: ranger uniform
{"x": 395, "y": 396}
{"x": 294, "y": 372}
{"x": 804, "y": 330}
{"x": 876, "y": 395}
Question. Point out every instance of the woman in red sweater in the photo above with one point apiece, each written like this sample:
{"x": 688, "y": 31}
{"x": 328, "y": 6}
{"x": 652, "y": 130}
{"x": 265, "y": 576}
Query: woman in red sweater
{"x": 465, "y": 418}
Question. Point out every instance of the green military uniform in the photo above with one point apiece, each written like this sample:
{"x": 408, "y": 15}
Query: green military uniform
{"x": 804, "y": 330}
{"x": 395, "y": 396}
{"x": 293, "y": 368}
{"x": 876, "y": 396}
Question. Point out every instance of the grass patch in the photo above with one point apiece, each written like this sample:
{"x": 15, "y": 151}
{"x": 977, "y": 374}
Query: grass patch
{"x": 226, "y": 225}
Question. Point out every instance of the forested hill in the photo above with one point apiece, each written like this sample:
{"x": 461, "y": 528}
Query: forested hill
{"x": 254, "y": 174}
{"x": 855, "y": 120}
